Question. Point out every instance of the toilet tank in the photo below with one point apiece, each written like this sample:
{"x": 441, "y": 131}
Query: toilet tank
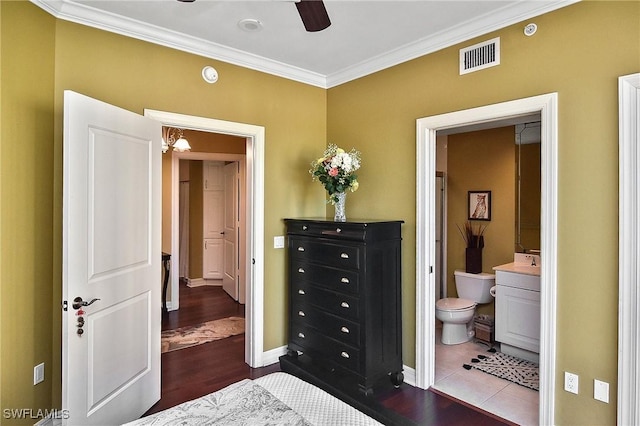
{"x": 475, "y": 287}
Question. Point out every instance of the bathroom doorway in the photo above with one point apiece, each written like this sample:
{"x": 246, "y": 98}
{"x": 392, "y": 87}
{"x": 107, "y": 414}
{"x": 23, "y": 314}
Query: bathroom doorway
{"x": 479, "y": 159}
{"x": 546, "y": 107}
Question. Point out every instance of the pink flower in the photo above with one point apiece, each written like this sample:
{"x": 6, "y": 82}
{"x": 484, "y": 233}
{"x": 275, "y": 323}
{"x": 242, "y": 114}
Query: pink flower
{"x": 333, "y": 172}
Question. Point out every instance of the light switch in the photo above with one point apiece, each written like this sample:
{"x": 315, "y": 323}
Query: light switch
{"x": 278, "y": 242}
{"x": 601, "y": 391}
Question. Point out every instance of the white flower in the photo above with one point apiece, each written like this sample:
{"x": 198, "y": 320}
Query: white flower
{"x": 346, "y": 162}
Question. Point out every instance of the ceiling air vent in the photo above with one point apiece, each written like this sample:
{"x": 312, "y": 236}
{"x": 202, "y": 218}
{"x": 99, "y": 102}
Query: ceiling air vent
{"x": 480, "y": 56}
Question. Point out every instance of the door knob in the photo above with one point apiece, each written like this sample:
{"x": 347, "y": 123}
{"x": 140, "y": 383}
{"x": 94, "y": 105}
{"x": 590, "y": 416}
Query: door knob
{"x": 78, "y": 303}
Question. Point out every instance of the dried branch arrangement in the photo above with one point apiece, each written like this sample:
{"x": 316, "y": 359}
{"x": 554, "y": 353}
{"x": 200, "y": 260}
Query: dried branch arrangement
{"x": 472, "y": 237}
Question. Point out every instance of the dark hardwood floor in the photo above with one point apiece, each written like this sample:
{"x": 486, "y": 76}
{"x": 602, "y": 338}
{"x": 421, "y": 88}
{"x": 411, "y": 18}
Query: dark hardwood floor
{"x": 193, "y": 372}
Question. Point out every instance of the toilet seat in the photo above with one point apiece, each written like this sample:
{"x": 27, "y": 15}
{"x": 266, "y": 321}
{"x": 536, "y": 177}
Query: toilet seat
{"x": 454, "y": 304}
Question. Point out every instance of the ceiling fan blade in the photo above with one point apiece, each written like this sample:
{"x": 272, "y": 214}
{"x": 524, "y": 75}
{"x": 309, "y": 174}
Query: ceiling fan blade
{"x": 314, "y": 15}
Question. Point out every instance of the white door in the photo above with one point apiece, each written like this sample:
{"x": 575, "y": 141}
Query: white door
{"x": 213, "y": 220}
{"x": 212, "y": 214}
{"x": 213, "y": 233}
{"x": 111, "y": 253}
{"x": 231, "y": 187}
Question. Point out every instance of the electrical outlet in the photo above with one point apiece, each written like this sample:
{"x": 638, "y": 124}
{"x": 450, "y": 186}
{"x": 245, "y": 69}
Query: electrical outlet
{"x": 571, "y": 382}
{"x": 601, "y": 391}
{"x": 38, "y": 373}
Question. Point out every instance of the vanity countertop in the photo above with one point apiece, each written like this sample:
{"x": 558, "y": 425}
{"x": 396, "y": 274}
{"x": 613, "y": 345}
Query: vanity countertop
{"x": 518, "y": 268}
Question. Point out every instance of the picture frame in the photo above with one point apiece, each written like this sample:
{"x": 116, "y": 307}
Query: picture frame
{"x": 479, "y": 205}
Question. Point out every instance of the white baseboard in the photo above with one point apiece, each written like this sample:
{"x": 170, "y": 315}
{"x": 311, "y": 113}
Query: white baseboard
{"x": 199, "y": 282}
{"x": 272, "y": 356}
{"x": 409, "y": 375}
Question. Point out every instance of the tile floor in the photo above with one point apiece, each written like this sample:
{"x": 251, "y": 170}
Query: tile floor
{"x": 500, "y": 397}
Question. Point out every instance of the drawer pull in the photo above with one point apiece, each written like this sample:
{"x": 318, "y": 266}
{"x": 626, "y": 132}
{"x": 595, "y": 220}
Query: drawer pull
{"x": 300, "y": 291}
{"x": 344, "y": 280}
{"x": 338, "y": 230}
{"x": 344, "y": 255}
{"x": 300, "y": 313}
{"x": 301, "y": 270}
{"x": 343, "y": 354}
{"x": 300, "y": 248}
{"x": 301, "y": 335}
{"x": 344, "y": 305}
{"x": 344, "y": 330}
{"x": 304, "y": 227}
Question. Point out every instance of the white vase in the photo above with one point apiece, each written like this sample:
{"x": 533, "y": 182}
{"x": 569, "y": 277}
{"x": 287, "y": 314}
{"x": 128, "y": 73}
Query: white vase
{"x": 341, "y": 214}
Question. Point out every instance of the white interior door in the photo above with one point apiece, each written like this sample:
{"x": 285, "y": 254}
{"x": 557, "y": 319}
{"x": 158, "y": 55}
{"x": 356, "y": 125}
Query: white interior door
{"x": 231, "y": 187}
{"x": 111, "y": 252}
{"x": 213, "y": 233}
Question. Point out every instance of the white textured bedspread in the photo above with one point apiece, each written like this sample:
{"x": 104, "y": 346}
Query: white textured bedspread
{"x": 275, "y": 399}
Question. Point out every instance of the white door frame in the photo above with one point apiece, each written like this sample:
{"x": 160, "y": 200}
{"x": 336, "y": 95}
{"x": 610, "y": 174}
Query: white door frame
{"x": 629, "y": 250}
{"x": 254, "y": 265}
{"x": 547, "y": 106}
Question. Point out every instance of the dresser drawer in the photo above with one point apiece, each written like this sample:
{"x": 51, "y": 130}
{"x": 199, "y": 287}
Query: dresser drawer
{"x": 325, "y": 323}
{"x": 344, "y": 281}
{"x": 336, "y": 303}
{"x": 319, "y": 347}
{"x": 338, "y": 255}
{"x": 346, "y": 231}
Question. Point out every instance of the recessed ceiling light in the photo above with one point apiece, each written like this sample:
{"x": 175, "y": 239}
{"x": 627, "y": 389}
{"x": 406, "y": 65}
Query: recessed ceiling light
{"x": 250, "y": 25}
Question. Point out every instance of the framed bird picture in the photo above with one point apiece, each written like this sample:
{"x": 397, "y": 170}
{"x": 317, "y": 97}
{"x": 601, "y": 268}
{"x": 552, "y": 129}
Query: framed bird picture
{"x": 479, "y": 205}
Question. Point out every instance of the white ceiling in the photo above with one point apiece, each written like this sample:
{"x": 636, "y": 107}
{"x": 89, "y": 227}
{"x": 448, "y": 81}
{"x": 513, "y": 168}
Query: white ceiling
{"x": 365, "y": 36}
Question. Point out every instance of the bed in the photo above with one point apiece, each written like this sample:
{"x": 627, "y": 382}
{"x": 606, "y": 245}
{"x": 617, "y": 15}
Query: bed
{"x": 276, "y": 399}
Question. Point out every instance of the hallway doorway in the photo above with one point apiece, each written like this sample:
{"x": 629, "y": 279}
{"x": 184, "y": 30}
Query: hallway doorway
{"x": 254, "y": 218}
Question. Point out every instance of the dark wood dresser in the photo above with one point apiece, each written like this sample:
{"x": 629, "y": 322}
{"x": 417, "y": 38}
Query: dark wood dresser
{"x": 345, "y": 318}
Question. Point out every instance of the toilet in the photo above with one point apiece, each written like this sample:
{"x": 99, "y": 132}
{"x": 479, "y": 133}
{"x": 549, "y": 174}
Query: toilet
{"x": 456, "y": 313}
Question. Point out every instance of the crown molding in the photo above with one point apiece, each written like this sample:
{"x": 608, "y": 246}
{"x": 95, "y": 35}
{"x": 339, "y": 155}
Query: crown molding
{"x": 85, "y": 15}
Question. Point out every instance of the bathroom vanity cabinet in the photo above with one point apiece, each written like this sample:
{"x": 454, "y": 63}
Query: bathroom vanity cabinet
{"x": 345, "y": 302}
{"x": 518, "y": 313}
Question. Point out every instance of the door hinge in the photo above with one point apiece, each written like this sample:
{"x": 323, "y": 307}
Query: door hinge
{"x": 431, "y": 269}
{"x": 65, "y": 306}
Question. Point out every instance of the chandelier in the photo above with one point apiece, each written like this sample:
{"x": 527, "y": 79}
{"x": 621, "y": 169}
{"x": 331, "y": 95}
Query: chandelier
{"x": 173, "y": 137}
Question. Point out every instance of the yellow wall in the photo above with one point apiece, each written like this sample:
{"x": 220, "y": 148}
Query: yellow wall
{"x": 579, "y": 51}
{"x": 478, "y": 161}
{"x": 41, "y": 56}
{"x": 26, "y": 206}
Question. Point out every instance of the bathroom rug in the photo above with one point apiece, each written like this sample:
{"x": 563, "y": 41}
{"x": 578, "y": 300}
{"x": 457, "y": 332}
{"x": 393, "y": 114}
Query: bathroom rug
{"x": 508, "y": 367}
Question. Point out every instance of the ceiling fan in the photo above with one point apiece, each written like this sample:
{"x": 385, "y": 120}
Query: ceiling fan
{"x": 312, "y": 12}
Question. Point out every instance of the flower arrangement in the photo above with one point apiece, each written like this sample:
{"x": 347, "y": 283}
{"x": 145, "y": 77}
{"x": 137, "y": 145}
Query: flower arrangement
{"x": 335, "y": 171}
